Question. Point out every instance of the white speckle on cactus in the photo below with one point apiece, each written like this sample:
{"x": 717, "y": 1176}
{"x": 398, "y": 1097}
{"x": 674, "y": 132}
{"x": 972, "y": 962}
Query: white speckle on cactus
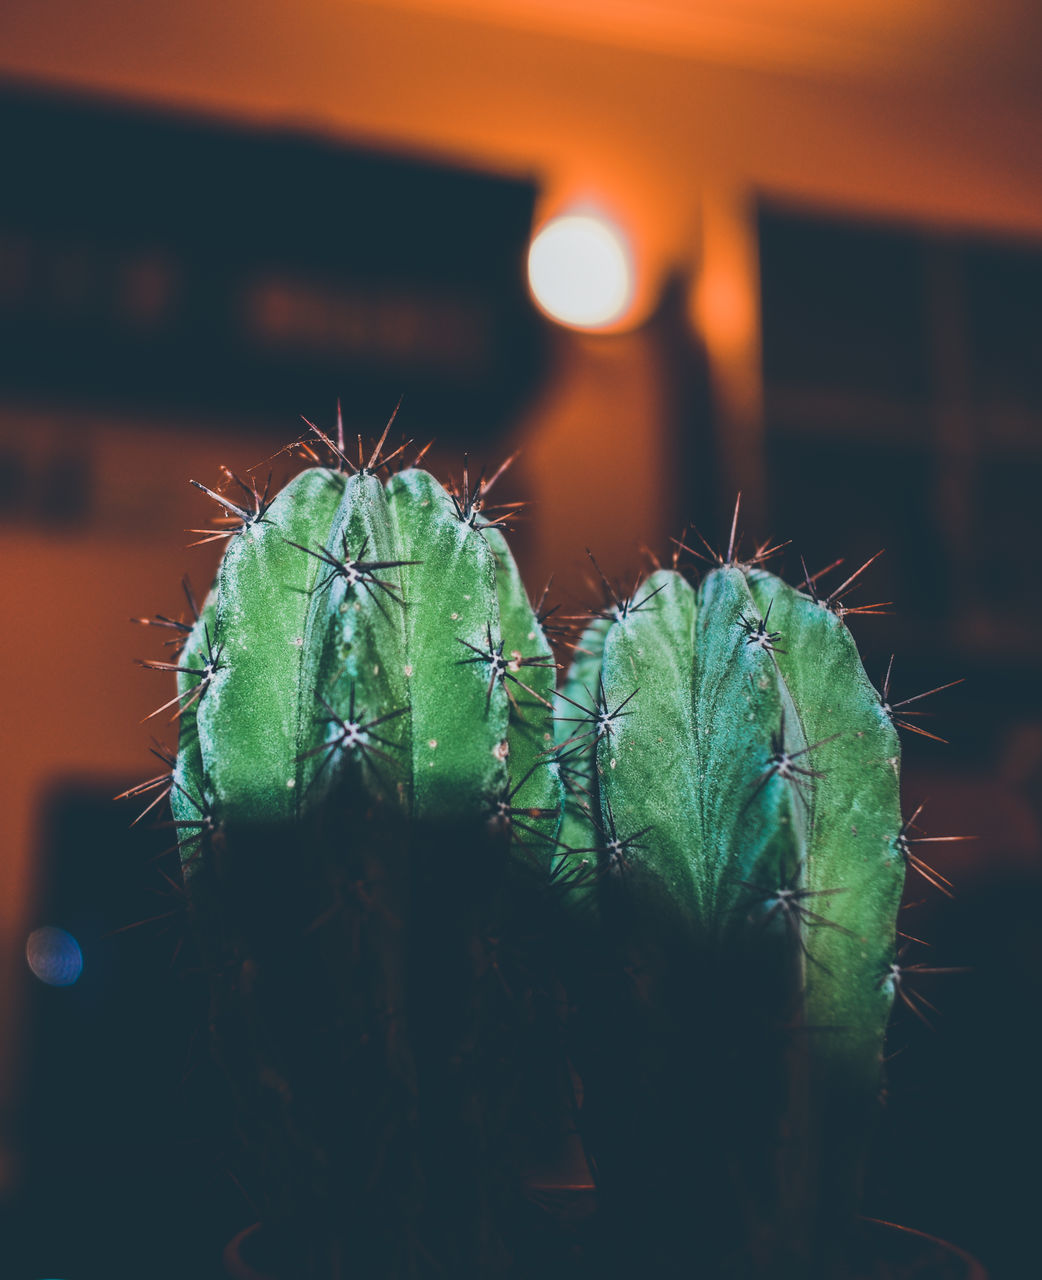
{"x": 376, "y": 670}
{"x": 466, "y": 597}
{"x": 455, "y": 617}
{"x": 291, "y": 783}
{"x": 613, "y": 764}
{"x": 298, "y": 641}
{"x": 501, "y": 750}
{"x": 433, "y": 743}
{"x": 408, "y": 668}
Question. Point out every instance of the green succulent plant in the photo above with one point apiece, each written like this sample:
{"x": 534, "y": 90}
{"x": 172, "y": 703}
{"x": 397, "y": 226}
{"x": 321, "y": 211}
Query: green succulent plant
{"x": 366, "y": 803}
{"x": 432, "y": 887}
{"x": 738, "y": 776}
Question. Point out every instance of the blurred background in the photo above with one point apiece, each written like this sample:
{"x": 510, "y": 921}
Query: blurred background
{"x": 670, "y": 250}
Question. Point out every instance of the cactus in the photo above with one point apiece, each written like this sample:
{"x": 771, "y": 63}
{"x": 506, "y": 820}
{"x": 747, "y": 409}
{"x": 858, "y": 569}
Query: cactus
{"x": 402, "y": 846}
{"x": 738, "y": 776}
{"x": 365, "y": 800}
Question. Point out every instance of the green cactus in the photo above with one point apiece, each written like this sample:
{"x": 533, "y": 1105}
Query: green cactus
{"x": 308, "y": 646}
{"x": 365, "y": 799}
{"x": 406, "y": 852}
{"x": 741, "y": 788}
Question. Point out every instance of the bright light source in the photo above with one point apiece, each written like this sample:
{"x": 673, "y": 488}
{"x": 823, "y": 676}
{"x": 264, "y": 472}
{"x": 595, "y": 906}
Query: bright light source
{"x": 580, "y": 271}
{"x": 54, "y": 956}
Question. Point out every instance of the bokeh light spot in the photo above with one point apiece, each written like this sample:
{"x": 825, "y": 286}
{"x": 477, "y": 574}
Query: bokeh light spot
{"x": 580, "y": 271}
{"x": 54, "y": 956}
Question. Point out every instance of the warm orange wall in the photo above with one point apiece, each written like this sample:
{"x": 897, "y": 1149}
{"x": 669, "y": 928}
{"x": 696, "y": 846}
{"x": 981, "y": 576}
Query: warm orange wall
{"x": 73, "y": 696}
{"x": 643, "y": 130}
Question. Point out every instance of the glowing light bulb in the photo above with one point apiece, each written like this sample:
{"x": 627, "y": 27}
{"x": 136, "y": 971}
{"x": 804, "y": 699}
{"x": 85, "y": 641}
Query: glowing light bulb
{"x": 580, "y": 271}
{"x": 54, "y": 956}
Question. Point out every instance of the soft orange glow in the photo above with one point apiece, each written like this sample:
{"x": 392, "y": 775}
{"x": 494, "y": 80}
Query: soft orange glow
{"x": 580, "y": 271}
{"x": 725, "y": 308}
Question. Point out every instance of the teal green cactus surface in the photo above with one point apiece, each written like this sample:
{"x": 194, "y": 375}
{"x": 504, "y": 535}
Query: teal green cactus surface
{"x": 428, "y": 875}
{"x": 745, "y": 800}
{"x": 364, "y": 769}
{"x": 363, "y": 627}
